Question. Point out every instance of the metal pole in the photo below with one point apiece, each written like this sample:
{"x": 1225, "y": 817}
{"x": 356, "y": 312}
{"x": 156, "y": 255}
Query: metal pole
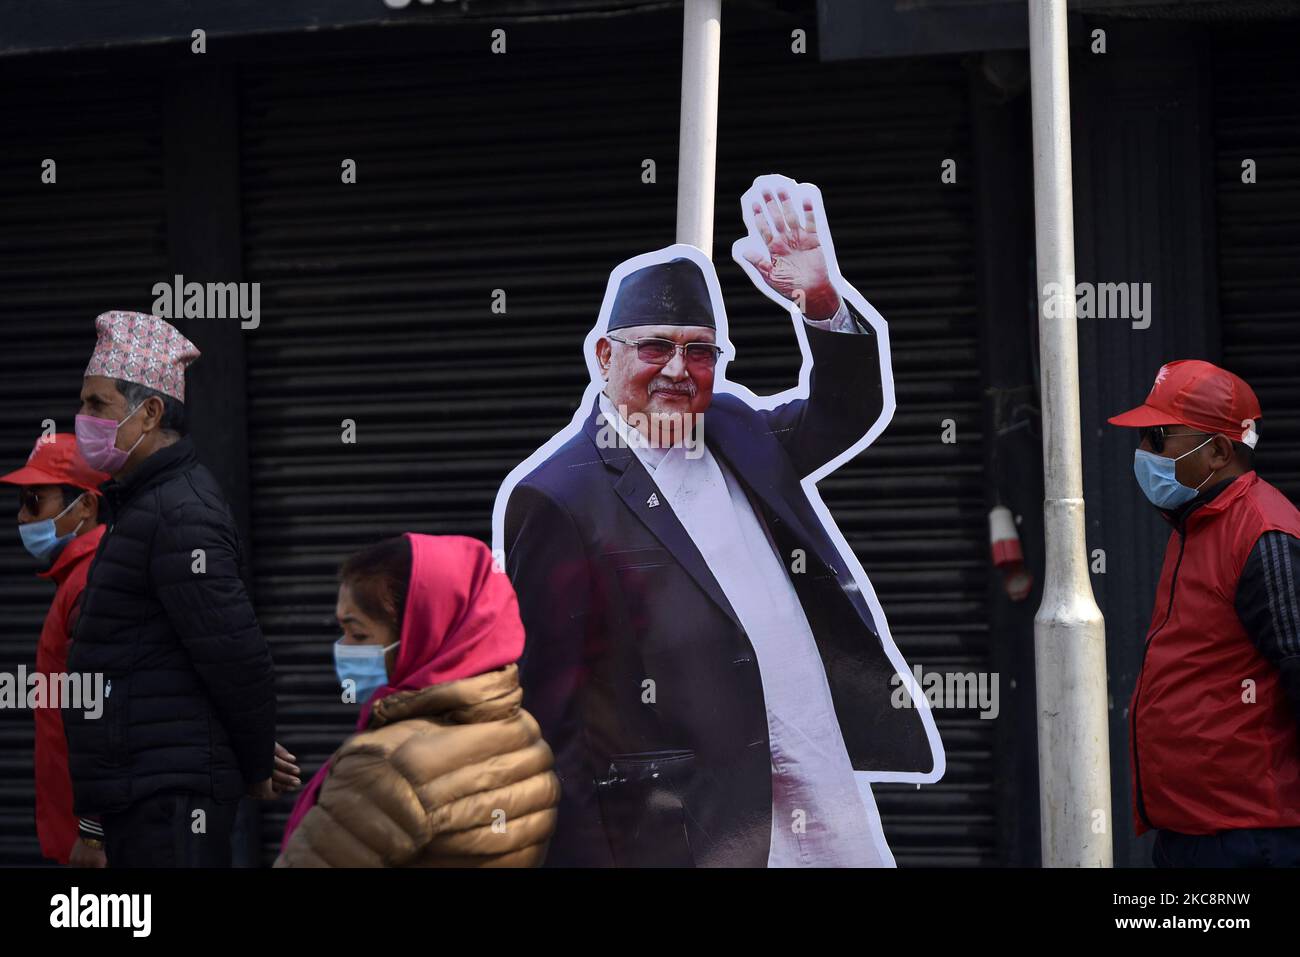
{"x": 1069, "y": 634}
{"x": 698, "y": 139}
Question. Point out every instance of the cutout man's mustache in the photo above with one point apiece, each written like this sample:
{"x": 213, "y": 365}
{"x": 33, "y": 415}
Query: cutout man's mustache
{"x": 664, "y": 384}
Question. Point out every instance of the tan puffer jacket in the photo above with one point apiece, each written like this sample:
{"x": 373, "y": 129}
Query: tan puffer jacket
{"x": 453, "y": 775}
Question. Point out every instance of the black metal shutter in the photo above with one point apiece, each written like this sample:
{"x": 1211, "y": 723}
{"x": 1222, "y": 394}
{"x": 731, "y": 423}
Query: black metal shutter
{"x": 523, "y": 173}
{"x": 92, "y": 241}
{"x": 1257, "y": 117}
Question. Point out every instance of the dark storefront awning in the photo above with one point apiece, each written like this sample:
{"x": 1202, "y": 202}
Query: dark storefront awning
{"x": 32, "y": 26}
{"x": 851, "y": 29}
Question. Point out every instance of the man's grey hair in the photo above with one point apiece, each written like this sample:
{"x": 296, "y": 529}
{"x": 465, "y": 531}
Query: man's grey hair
{"x": 175, "y": 417}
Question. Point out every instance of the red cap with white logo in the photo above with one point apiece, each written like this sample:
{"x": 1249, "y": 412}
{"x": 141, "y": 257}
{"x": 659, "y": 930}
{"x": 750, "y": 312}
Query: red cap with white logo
{"x": 1201, "y": 396}
{"x": 56, "y": 461}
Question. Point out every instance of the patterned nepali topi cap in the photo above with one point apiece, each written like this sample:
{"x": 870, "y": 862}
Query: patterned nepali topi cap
{"x": 143, "y": 349}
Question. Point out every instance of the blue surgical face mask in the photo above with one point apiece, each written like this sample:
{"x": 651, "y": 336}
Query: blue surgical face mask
{"x": 1157, "y": 476}
{"x": 363, "y": 665}
{"x": 42, "y": 540}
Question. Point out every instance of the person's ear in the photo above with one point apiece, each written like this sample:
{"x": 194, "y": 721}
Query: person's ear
{"x": 1221, "y": 452}
{"x": 88, "y": 507}
{"x": 603, "y": 351}
{"x": 153, "y": 413}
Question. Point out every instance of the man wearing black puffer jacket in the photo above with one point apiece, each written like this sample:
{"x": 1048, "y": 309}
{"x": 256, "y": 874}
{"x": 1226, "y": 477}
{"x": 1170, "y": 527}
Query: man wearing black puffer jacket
{"x": 188, "y": 723}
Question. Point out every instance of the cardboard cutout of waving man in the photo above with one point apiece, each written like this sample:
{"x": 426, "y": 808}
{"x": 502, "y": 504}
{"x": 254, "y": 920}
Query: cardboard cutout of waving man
{"x": 704, "y": 653}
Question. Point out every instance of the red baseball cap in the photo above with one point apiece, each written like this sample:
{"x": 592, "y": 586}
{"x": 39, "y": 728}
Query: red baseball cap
{"x": 56, "y": 461}
{"x": 1201, "y": 396}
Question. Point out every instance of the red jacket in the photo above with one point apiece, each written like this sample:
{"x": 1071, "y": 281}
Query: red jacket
{"x": 56, "y": 825}
{"x": 1204, "y": 756}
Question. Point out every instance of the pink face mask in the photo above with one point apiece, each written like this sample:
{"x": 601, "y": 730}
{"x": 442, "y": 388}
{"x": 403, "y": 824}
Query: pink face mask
{"x": 97, "y": 442}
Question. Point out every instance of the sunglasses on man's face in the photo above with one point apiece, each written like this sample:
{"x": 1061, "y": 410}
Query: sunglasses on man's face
{"x": 1155, "y": 436}
{"x": 31, "y": 501}
{"x": 660, "y": 352}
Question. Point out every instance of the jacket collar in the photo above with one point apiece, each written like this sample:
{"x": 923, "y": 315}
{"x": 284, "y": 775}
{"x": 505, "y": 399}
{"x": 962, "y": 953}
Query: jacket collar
{"x": 80, "y": 548}
{"x": 613, "y": 451}
{"x": 491, "y": 696}
{"x": 1216, "y": 499}
{"x": 168, "y": 461}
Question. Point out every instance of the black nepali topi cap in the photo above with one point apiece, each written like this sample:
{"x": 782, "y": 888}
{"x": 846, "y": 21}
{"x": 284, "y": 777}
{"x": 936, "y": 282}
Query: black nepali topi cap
{"x": 665, "y": 294}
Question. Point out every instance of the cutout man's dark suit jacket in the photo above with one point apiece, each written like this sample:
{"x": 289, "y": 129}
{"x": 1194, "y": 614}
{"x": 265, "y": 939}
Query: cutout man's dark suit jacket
{"x": 636, "y": 666}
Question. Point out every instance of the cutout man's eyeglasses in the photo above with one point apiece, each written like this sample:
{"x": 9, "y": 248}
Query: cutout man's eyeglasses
{"x": 660, "y": 352}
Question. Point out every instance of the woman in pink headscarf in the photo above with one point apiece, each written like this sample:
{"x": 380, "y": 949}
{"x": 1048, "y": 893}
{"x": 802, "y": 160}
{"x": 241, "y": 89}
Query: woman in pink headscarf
{"x": 446, "y": 769}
